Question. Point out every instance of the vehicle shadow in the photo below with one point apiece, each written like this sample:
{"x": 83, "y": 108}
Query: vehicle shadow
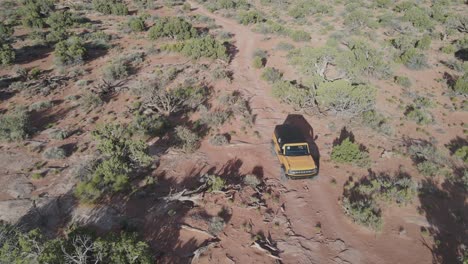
{"x": 308, "y": 132}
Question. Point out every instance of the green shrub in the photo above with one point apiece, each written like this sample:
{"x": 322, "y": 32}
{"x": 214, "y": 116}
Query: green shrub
{"x": 168, "y": 101}
{"x": 54, "y": 153}
{"x": 418, "y": 17}
{"x": 34, "y": 12}
{"x": 70, "y": 51}
{"x": 217, "y": 225}
{"x": 303, "y": 9}
{"x": 219, "y": 140}
{"x": 108, "y": 7}
{"x": 458, "y": 22}
{"x": 271, "y": 75}
{"x": 206, "y": 47}
{"x": 424, "y": 43}
{"x": 215, "y": 118}
{"x": 284, "y": 46}
{"x": 299, "y": 35}
{"x": 136, "y": 24}
{"x": 19, "y": 246}
{"x": 115, "y": 140}
{"x": 462, "y": 153}
{"x": 186, "y": 7}
{"x": 172, "y": 27}
{"x": 449, "y": 49}
{"x": 60, "y": 20}
{"x": 384, "y": 3}
{"x": 418, "y": 115}
{"x": 362, "y": 59}
{"x": 291, "y": 94}
{"x": 429, "y": 160}
{"x": 403, "y": 81}
{"x": 121, "y": 156}
{"x": 90, "y": 101}
{"x": 249, "y": 17}
{"x": 188, "y": 140}
{"x": 461, "y": 85}
{"x": 150, "y": 125}
{"x": 115, "y": 70}
{"x": 144, "y": 4}
{"x": 7, "y": 54}
{"x": 342, "y": 97}
{"x": 251, "y": 180}
{"x": 258, "y": 62}
{"x": 37, "y": 106}
{"x": 59, "y": 134}
{"x": 6, "y": 32}
{"x": 413, "y": 59}
{"x": 227, "y": 4}
{"x": 215, "y": 183}
{"x": 359, "y": 198}
{"x": 376, "y": 121}
{"x": 349, "y": 152}
{"x": 357, "y": 19}
{"x": 364, "y": 212}
{"x": 14, "y": 126}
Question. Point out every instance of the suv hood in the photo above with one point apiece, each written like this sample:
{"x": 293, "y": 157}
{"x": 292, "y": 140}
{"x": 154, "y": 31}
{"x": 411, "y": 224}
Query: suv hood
{"x": 301, "y": 162}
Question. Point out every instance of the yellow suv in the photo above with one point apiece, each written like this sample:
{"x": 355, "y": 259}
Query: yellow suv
{"x": 293, "y": 153}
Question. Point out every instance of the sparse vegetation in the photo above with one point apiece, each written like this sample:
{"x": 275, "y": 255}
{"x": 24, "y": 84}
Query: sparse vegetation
{"x": 136, "y": 24}
{"x": 14, "y": 126}
{"x": 172, "y": 27}
{"x": 428, "y": 159}
{"x": 359, "y": 198}
{"x": 271, "y": 75}
{"x": 461, "y": 85}
{"x": 188, "y": 140}
{"x": 70, "y": 51}
{"x": 55, "y": 153}
{"x": 110, "y": 7}
{"x": 121, "y": 157}
{"x": 219, "y": 140}
{"x": 344, "y": 98}
{"x": 350, "y": 152}
{"x": 196, "y": 48}
{"x": 19, "y": 246}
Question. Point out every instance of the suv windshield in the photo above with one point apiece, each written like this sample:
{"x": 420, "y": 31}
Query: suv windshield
{"x": 300, "y": 150}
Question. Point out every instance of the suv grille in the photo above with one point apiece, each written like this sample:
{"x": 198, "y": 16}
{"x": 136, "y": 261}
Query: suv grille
{"x": 301, "y": 172}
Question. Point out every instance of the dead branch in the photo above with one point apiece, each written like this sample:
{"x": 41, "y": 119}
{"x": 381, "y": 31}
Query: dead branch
{"x": 198, "y": 252}
{"x": 197, "y": 230}
{"x": 266, "y": 248}
{"x": 185, "y": 195}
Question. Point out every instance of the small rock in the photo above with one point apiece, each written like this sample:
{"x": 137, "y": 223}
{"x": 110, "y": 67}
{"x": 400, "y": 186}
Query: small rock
{"x": 387, "y": 154}
{"x": 20, "y": 189}
{"x": 12, "y": 210}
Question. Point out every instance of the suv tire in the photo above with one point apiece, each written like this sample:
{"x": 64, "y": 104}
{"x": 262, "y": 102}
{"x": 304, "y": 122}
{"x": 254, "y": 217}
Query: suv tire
{"x": 283, "y": 176}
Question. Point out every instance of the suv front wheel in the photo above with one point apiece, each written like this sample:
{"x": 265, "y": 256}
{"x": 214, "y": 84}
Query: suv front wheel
{"x": 283, "y": 176}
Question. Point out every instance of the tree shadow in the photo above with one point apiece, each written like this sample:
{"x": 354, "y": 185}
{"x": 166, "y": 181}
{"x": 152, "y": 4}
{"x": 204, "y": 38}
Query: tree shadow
{"x": 449, "y": 79}
{"x": 446, "y": 210}
{"x": 462, "y": 54}
{"x": 307, "y": 131}
{"x": 456, "y": 143}
{"x": 232, "y": 51}
{"x": 49, "y": 214}
{"x": 344, "y": 134}
{"x": 29, "y": 54}
{"x": 40, "y": 120}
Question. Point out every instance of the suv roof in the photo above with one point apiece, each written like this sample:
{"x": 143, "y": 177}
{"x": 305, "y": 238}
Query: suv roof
{"x": 289, "y": 134}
